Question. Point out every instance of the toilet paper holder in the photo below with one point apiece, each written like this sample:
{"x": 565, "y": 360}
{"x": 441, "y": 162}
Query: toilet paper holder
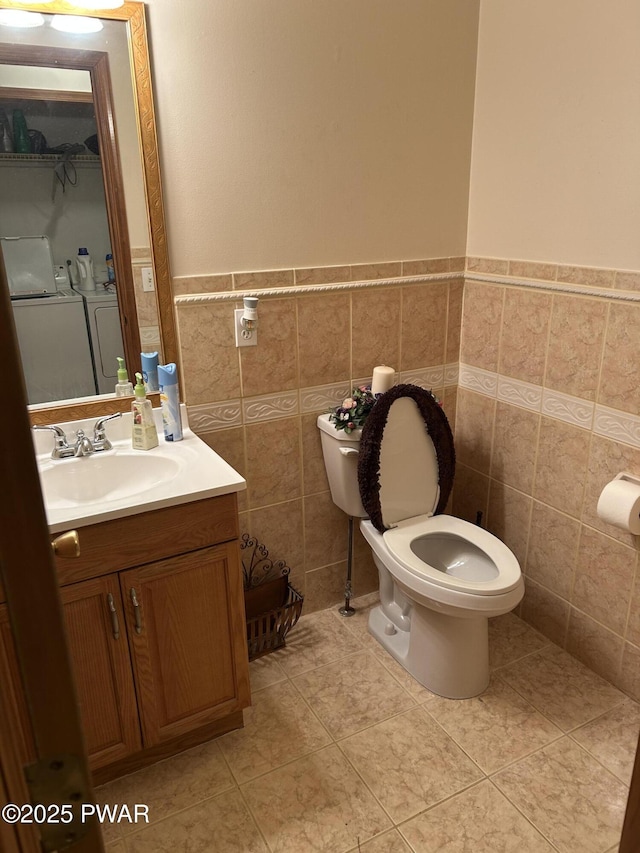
{"x": 631, "y": 478}
{"x": 619, "y": 504}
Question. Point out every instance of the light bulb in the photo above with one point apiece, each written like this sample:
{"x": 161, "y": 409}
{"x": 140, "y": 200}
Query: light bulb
{"x": 20, "y": 18}
{"x": 97, "y": 5}
{"x": 76, "y": 24}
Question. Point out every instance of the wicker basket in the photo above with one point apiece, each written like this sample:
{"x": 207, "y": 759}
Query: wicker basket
{"x": 272, "y": 605}
{"x": 267, "y": 631}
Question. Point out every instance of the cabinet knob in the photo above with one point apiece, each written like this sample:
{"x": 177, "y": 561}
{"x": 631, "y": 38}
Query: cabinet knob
{"x": 67, "y": 544}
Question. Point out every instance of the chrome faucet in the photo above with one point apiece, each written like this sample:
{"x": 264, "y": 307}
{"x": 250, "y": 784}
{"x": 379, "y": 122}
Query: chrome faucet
{"x": 83, "y": 445}
{"x": 61, "y": 448}
{"x": 100, "y": 440}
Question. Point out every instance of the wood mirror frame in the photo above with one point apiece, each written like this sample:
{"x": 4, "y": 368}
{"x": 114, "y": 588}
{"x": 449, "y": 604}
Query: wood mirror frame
{"x": 132, "y": 14}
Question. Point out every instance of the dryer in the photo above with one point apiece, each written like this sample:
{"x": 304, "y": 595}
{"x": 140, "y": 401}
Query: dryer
{"x": 103, "y": 321}
{"x": 50, "y": 324}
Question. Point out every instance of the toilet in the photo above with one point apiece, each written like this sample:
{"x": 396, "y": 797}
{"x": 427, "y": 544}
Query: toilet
{"x": 441, "y": 578}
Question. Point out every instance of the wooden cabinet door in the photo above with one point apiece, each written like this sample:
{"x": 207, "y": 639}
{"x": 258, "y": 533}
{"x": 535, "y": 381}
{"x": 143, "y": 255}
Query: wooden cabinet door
{"x": 187, "y": 637}
{"x": 102, "y": 669}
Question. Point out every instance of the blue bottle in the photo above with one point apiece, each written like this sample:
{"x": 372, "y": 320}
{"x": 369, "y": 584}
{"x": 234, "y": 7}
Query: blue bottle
{"x": 170, "y": 401}
{"x": 149, "y": 370}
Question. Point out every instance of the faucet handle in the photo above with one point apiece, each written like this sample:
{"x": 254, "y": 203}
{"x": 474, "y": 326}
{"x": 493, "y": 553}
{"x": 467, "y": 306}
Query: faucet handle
{"x": 99, "y": 430}
{"x": 60, "y": 439}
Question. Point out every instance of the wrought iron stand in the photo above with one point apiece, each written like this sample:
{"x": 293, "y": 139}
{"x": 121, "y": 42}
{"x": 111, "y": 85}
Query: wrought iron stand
{"x": 347, "y": 609}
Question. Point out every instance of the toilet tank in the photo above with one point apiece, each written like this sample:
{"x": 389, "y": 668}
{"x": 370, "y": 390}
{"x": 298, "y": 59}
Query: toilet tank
{"x": 340, "y": 452}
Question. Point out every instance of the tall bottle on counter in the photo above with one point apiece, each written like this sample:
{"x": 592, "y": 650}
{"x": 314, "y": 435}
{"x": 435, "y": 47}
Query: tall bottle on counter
{"x": 144, "y": 435}
{"x": 149, "y": 362}
{"x": 170, "y": 401}
{"x": 86, "y": 280}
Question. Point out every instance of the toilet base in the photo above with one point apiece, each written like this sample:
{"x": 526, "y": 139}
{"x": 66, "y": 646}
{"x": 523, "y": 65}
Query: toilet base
{"x": 447, "y": 655}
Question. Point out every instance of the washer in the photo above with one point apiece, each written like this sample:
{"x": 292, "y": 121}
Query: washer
{"x": 103, "y": 321}
{"x": 50, "y": 324}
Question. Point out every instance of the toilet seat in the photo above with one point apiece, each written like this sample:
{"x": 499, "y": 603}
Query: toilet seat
{"x": 470, "y": 559}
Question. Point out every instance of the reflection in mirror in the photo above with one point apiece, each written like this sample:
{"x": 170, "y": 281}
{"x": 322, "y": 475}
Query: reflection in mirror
{"x": 136, "y": 234}
{"x": 55, "y": 234}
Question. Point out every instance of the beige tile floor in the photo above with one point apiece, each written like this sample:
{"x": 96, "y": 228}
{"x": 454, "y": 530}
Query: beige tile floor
{"x": 343, "y": 751}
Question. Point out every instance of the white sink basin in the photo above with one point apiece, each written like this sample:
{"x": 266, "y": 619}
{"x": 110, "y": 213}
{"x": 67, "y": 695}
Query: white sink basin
{"x": 120, "y": 482}
{"x": 103, "y": 477}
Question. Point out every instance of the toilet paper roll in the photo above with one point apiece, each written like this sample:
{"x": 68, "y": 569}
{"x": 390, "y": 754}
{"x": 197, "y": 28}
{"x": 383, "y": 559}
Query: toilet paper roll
{"x": 383, "y": 379}
{"x": 619, "y": 504}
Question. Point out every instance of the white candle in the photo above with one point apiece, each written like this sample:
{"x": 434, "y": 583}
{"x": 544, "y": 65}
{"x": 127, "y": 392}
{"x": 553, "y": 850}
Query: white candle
{"x": 383, "y": 379}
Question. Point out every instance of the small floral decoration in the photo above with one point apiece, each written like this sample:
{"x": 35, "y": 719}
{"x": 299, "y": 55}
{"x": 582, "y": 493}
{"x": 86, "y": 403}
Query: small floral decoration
{"x": 355, "y": 409}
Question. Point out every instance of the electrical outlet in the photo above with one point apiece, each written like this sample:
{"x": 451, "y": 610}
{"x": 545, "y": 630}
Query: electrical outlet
{"x": 147, "y": 279}
{"x": 244, "y": 338}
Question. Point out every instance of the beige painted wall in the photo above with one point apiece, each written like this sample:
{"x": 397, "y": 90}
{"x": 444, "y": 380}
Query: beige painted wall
{"x": 297, "y": 133}
{"x": 545, "y": 424}
{"x": 556, "y": 140}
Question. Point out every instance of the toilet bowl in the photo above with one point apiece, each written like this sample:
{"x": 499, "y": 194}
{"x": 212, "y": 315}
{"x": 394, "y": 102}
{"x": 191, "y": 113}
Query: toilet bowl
{"x": 441, "y": 578}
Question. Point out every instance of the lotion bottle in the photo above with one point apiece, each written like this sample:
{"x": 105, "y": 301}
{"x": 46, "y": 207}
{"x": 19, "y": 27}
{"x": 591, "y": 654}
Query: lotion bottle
{"x": 144, "y": 435}
{"x": 124, "y": 388}
{"x": 170, "y": 401}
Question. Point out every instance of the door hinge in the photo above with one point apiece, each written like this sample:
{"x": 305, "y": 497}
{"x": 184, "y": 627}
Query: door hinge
{"x": 58, "y": 787}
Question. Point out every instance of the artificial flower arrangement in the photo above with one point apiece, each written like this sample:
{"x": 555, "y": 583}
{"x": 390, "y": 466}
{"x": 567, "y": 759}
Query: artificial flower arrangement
{"x": 355, "y": 409}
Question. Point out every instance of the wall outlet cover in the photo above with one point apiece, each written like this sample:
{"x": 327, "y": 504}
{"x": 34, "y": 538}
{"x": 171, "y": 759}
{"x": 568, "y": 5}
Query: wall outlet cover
{"x": 148, "y": 283}
{"x": 241, "y": 339}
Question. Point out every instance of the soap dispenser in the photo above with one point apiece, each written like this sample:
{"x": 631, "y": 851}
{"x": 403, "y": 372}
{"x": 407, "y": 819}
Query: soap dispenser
{"x": 124, "y": 388}
{"x": 144, "y": 435}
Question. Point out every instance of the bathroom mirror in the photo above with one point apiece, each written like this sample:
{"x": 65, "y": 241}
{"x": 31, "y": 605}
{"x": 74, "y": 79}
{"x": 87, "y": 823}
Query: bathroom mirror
{"x": 139, "y": 204}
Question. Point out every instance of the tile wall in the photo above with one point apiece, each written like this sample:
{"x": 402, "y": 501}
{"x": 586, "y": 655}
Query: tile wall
{"x": 548, "y": 412}
{"x": 321, "y": 331}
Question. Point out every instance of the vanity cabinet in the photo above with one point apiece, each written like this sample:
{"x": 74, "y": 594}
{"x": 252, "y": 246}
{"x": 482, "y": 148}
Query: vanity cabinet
{"x": 178, "y": 612}
{"x": 97, "y": 639}
{"x": 156, "y": 632}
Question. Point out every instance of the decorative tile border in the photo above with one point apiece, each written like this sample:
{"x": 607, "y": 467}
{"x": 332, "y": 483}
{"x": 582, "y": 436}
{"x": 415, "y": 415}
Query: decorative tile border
{"x": 519, "y": 393}
{"x": 149, "y": 335}
{"x": 451, "y": 374}
{"x": 600, "y": 277}
{"x": 190, "y": 299}
{"x": 270, "y": 407}
{"x": 428, "y": 378}
{"x": 572, "y": 410}
{"x": 620, "y": 285}
{"x": 574, "y": 289}
{"x": 323, "y": 397}
{"x": 231, "y": 413}
{"x": 609, "y": 423}
{"x": 214, "y": 416}
{"x": 618, "y": 426}
{"x": 477, "y": 379}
